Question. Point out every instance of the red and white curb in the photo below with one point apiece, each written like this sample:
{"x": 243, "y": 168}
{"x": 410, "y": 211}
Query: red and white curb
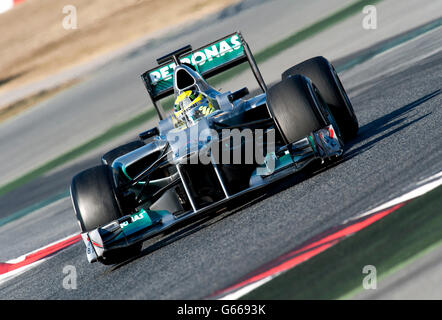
{"x": 15, "y": 267}
{"x": 322, "y": 242}
{"x": 6, "y": 5}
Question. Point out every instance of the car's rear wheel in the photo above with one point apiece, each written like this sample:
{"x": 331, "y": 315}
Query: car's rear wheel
{"x": 295, "y": 108}
{"x": 323, "y": 75}
{"x": 95, "y": 203}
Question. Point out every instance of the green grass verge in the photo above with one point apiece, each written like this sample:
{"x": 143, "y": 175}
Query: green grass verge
{"x": 388, "y": 244}
{"x": 260, "y": 57}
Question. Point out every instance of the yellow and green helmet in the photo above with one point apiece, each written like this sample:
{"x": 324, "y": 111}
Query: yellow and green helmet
{"x": 190, "y": 106}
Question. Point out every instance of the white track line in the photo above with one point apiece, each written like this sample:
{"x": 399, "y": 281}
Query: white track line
{"x": 235, "y": 295}
{"x": 434, "y": 182}
{"x": 23, "y": 257}
{"x": 14, "y": 273}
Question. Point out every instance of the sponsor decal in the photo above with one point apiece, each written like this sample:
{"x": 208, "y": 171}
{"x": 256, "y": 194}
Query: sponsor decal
{"x": 134, "y": 218}
{"x": 203, "y": 60}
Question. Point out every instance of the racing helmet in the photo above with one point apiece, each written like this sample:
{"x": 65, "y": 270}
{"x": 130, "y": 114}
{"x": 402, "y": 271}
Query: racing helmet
{"x": 190, "y": 106}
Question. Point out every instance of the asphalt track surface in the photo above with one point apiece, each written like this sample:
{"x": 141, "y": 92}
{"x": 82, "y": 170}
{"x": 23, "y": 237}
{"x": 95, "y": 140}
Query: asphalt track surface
{"x": 396, "y": 96}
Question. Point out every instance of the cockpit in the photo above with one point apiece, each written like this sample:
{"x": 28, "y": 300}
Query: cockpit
{"x": 194, "y": 97}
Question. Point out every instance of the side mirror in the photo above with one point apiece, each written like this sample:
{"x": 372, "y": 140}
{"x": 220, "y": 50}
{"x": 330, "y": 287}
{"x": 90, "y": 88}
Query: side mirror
{"x": 149, "y": 133}
{"x": 238, "y": 94}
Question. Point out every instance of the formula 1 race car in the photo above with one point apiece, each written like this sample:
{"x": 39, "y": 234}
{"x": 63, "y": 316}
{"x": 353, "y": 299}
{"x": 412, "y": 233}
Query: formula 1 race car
{"x": 212, "y": 148}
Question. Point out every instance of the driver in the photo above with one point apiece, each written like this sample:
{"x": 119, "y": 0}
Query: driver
{"x": 190, "y": 106}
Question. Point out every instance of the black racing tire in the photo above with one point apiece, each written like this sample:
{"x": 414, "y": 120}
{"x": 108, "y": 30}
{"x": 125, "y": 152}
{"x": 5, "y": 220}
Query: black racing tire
{"x": 95, "y": 204}
{"x": 110, "y": 156}
{"x": 324, "y": 76}
{"x": 93, "y": 197}
{"x": 295, "y": 108}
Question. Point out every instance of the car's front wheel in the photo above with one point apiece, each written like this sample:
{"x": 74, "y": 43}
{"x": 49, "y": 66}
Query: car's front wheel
{"x": 323, "y": 75}
{"x": 296, "y": 108}
{"x": 95, "y": 204}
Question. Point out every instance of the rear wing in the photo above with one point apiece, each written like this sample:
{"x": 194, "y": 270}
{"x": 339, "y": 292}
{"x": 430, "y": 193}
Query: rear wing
{"x": 208, "y": 60}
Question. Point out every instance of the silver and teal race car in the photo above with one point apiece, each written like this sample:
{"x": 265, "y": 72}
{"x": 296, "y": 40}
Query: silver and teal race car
{"x": 212, "y": 148}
